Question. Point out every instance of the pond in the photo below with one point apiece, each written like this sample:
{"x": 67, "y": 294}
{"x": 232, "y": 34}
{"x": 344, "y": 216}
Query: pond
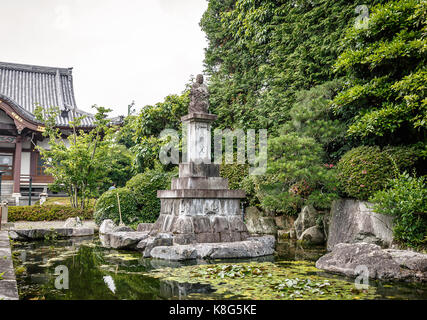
{"x": 95, "y": 272}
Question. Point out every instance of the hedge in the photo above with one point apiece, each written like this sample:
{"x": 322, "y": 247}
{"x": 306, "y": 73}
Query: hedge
{"x": 138, "y": 200}
{"x": 144, "y": 186}
{"x": 46, "y": 213}
{"x": 364, "y": 170}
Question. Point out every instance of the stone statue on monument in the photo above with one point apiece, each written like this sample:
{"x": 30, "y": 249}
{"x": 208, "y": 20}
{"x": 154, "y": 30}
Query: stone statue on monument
{"x": 199, "y": 97}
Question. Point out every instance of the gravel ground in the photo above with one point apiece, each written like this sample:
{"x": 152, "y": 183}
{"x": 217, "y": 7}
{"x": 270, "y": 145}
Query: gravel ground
{"x": 49, "y": 224}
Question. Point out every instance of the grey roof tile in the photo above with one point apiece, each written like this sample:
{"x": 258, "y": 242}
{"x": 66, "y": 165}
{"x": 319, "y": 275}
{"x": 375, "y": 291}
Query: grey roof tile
{"x": 27, "y": 85}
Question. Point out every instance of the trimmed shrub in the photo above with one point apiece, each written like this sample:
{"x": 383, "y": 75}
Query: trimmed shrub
{"x": 144, "y": 187}
{"x": 364, "y": 170}
{"x": 107, "y": 207}
{"x": 406, "y": 200}
{"x": 46, "y": 213}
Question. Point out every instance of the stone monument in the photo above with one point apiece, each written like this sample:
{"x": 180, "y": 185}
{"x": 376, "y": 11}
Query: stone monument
{"x": 200, "y": 217}
{"x": 200, "y": 208}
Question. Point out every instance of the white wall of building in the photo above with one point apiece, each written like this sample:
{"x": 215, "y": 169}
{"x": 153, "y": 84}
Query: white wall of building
{"x": 25, "y": 163}
{"x": 45, "y": 143}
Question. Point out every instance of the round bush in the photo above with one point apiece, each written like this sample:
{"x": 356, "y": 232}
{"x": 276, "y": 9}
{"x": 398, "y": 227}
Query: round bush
{"x": 107, "y": 207}
{"x": 406, "y": 200}
{"x": 364, "y": 170}
{"x": 144, "y": 187}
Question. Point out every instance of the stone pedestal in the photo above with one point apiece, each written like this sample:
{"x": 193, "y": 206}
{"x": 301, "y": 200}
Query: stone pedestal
{"x": 200, "y": 208}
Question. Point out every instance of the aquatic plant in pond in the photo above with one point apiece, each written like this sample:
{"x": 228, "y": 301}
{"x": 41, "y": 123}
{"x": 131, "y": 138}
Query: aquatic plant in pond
{"x": 99, "y": 273}
{"x": 266, "y": 280}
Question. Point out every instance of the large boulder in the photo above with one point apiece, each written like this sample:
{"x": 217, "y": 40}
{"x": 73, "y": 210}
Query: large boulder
{"x": 284, "y": 222}
{"x": 313, "y": 235}
{"x": 384, "y": 264}
{"x": 250, "y": 248}
{"x": 73, "y": 223}
{"x": 353, "y": 221}
{"x": 51, "y": 233}
{"x": 258, "y": 223}
{"x": 306, "y": 219}
{"x": 107, "y": 226}
{"x": 161, "y": 239}
{"x": 123, "y": 240}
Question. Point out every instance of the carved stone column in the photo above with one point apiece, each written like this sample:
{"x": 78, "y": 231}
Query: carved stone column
{"x": 199, "y": 137}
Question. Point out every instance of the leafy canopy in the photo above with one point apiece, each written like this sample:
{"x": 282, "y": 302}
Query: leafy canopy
{"x": 385, "y": 63}
{"x": 82, "y": 162}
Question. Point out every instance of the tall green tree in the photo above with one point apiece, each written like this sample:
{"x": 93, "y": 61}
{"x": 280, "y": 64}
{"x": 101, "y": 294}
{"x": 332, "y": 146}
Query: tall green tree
{"x": 385, "y": 101}
{"x": 301, "y": 158}
{"x": 261, "y": 53}
{"x": 148, "y": 125}
{"x": 81, "y": 162}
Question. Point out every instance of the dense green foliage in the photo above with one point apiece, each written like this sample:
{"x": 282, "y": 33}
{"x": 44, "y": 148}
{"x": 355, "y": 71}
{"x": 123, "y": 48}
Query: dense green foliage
{"x": 235, "y": 173}
{"x": 366, "y": 169}
{"x": 300, "y": 159}
{"x": 138, "y": 200}
{"x": 406, "y": 200}
{"x": 148, "y": 125}
{"x": 86, "y": 162}
{"x": 144, "y": 187}
{"x": 261, "y": 53}
{"x": 163, "y": 115}
{"x": 385, "y": 97}
{"x": 296, "y": 175}
{"x": 107, "y": 207}
{"x": 118, "y": 167}
{"x": 270, "y": 66}
{"x": 46, "y": 213}
{"x": 126, "y": 134}
{"x": 322, "y": 85}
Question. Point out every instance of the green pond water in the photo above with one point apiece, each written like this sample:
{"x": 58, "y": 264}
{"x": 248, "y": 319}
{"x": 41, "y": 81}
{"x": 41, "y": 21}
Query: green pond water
{"x": 99, "y": 273}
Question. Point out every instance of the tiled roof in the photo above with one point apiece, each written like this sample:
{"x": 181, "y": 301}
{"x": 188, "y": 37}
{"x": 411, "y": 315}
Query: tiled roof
{"x": 25, "y": 86}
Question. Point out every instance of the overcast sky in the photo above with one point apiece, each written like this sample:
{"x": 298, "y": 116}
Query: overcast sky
{"x": 121, "y": 50}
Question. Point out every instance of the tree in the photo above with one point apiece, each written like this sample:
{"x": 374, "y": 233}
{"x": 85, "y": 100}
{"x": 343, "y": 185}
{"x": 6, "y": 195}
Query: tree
{"x": 148, "y": 125}
{"x": 78, "y": 168}
{"x": 385, "y": 101}
{"x": 299, "y": 169}
{"x": 126, "y": 133}
{"x": 261, "y": 53}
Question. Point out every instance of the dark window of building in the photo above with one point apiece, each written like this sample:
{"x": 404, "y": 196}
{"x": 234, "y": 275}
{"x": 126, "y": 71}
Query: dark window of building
{"x": 40, "y": 166}
{"x": 6, "y": 165}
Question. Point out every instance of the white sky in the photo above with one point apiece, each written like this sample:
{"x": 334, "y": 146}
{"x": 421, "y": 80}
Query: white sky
{"x": 121, "y": 50}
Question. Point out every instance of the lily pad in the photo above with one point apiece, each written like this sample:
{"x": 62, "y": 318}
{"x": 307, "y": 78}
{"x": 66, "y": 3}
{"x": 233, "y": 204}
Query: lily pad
{"x": 265, "y": 280}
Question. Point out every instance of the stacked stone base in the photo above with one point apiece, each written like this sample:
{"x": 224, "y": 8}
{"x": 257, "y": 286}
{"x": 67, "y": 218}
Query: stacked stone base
{"x": 189, "y": 229}
{"x": 200, "y": 208}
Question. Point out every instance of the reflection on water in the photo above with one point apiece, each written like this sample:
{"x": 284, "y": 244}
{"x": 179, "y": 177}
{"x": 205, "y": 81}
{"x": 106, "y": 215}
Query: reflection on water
{"x": 100, "y": 273}
{"x": 293, "y": 250}
{"x": 178, "y": 291}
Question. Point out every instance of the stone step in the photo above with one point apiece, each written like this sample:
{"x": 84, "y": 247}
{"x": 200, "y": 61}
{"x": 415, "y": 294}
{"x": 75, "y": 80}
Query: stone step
{"x": 201, "y": 193}
{"x": 192, "y": 169}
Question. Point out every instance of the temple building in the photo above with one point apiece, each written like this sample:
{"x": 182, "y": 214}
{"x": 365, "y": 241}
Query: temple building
{"x": 22, "y": 88}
